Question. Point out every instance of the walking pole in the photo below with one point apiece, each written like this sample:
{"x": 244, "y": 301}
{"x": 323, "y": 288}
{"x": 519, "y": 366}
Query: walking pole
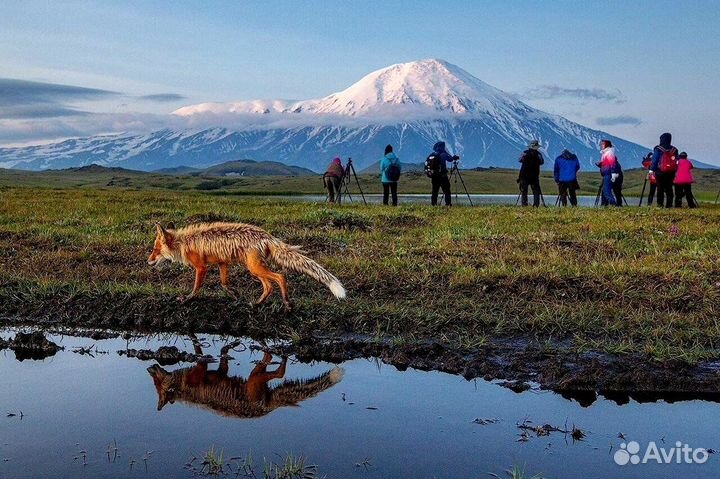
{"x": 643, "y": 191}
{"x": 597, "y": 198}
{"x": 517, "y": 201}
{"x": 542, "y": 197}
{"x": 623, "y": 198}
{"x": 716, "y": 198}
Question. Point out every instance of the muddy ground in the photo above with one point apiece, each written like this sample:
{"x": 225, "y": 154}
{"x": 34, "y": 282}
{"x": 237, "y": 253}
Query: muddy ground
{"x": 517, "y": 363}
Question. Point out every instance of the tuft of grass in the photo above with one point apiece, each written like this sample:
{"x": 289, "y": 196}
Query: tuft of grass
{"x": 212, "y": 463}
{"x": 516, "y": 472}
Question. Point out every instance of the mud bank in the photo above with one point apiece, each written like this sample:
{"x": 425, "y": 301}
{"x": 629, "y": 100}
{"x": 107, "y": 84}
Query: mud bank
{"x": 522, "y": 364}
{"x": 516, "y": 363}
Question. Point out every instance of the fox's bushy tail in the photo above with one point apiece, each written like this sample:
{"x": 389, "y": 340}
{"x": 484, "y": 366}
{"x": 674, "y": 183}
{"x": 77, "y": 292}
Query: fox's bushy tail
{"x": 290, "y": 258}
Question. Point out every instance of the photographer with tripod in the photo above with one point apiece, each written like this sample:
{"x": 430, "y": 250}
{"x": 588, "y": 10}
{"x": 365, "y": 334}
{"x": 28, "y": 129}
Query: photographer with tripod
{"x": 332, "y": 179}
{"x": 529, "y": 175}
{"x": 436, "y": 170}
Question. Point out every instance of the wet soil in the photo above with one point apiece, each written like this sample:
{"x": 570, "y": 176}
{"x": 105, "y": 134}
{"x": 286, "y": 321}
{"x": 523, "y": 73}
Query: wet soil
{"x": 518, "y": 363}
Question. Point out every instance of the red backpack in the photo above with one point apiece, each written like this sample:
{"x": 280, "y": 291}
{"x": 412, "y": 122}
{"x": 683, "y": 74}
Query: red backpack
{"x": 668, "y": 161}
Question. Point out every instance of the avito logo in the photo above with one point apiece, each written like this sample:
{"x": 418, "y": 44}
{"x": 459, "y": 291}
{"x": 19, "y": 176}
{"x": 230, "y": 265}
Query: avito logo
{"x": 680, "y": 454}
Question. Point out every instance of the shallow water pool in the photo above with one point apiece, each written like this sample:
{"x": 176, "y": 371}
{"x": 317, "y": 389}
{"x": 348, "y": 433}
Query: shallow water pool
{"x": 360, "y": 419}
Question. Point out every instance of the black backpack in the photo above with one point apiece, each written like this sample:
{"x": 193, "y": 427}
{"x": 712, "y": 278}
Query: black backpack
{"x": 433, "y": 166}
{"x": 393, "y": 172}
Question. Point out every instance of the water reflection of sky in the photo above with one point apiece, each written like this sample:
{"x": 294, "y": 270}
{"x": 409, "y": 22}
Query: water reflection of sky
{"x": 422, "y": 426}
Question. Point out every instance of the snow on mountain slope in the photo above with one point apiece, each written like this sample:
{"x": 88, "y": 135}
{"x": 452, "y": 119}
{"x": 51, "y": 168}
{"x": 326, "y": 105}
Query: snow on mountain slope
{"x": 430, "y": 86}
{"x": 410, "y": 105}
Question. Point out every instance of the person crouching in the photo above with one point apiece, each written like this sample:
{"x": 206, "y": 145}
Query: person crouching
{"x": 333, "y": 179}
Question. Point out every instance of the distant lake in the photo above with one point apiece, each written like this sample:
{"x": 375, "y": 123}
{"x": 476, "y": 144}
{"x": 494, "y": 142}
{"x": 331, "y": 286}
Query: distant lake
{"x": 477, "y": 200}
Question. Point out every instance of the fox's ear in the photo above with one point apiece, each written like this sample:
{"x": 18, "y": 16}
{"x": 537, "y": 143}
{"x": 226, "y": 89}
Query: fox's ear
{"x": 163, "y": 233}
{"x": 157, "y": 370}
{"x": 171, "y": 226}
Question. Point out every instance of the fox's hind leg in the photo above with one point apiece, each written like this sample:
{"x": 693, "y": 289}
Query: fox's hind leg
{"x": 224, "y": 280}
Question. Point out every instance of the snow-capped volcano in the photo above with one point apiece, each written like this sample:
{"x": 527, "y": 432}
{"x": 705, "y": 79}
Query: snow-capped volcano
{"x": 427, "y": 86}
{"x": 409, "y": 105}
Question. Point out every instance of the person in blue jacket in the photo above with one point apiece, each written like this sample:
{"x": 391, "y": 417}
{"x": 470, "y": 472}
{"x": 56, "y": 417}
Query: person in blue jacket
{"x": 390, "y": 171}
{"x": 566, "y": 168}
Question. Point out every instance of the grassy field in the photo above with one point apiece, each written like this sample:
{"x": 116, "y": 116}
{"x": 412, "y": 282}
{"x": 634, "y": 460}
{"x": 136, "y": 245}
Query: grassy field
{"x": 630, "y": 280}
{"x": 493, "y": 181}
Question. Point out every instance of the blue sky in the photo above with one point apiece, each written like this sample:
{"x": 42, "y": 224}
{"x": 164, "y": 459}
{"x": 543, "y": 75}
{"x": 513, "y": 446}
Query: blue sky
{"x": 633, "y": 68}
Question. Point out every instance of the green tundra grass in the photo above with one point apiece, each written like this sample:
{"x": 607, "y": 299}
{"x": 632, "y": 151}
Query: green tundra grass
{"x": 615, "y": 280}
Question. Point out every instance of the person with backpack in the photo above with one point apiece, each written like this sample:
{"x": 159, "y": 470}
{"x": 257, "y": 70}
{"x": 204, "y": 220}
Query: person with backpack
{"x": 647, "y": 161}
{"x": 608, "y": 170}
{"x": 683, "y": 182}
{"x": 390, "y": 171}
{"x": 664, "y": 166}
{"x": 565, "y": 173}
{"x": 529, "y": 175}
{"x": 333, "y": 179}
{"x": 436, "y": 170}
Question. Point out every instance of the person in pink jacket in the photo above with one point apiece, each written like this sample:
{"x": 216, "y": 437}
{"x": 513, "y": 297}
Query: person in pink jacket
{"x": 683, "y": 181}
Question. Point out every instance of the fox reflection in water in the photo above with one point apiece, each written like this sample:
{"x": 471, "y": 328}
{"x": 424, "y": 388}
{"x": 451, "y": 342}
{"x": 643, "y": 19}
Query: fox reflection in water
{"x": 237, "y": 396}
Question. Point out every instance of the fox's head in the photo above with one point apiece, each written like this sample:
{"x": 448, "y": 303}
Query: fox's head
{"x": 164, "y": 242}
{"x": 163, "y": 384}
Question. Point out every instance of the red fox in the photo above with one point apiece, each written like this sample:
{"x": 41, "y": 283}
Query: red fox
{"x": 222, "y": 244}
{"x": 237, "y": 396}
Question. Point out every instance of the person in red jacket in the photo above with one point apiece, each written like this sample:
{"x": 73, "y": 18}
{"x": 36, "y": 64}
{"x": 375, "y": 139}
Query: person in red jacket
{"x": 683, "y": 182}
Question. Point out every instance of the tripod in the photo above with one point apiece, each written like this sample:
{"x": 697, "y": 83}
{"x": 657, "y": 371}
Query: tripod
{"x": 346, "y": 180}
{"x": 622, "y": 196}
{"x": 717, "y": 197}
{"x": 455, "y": 173}
{"x": 642, "y": 194}
{"x": 542, "y": 197}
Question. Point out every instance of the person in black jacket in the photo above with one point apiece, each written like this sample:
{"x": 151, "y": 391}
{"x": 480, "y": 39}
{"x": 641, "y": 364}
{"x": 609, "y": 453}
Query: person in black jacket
{"x": 530, "y": 160}
{"x": 440, "y": 178}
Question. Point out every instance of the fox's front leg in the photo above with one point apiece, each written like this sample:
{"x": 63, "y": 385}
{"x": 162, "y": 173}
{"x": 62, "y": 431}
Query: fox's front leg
{"x": 200, "y": 273}
{"x": 224, "y": 280}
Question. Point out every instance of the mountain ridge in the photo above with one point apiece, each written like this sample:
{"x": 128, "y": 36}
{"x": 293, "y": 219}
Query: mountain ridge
{"x": 409, "y": 105}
